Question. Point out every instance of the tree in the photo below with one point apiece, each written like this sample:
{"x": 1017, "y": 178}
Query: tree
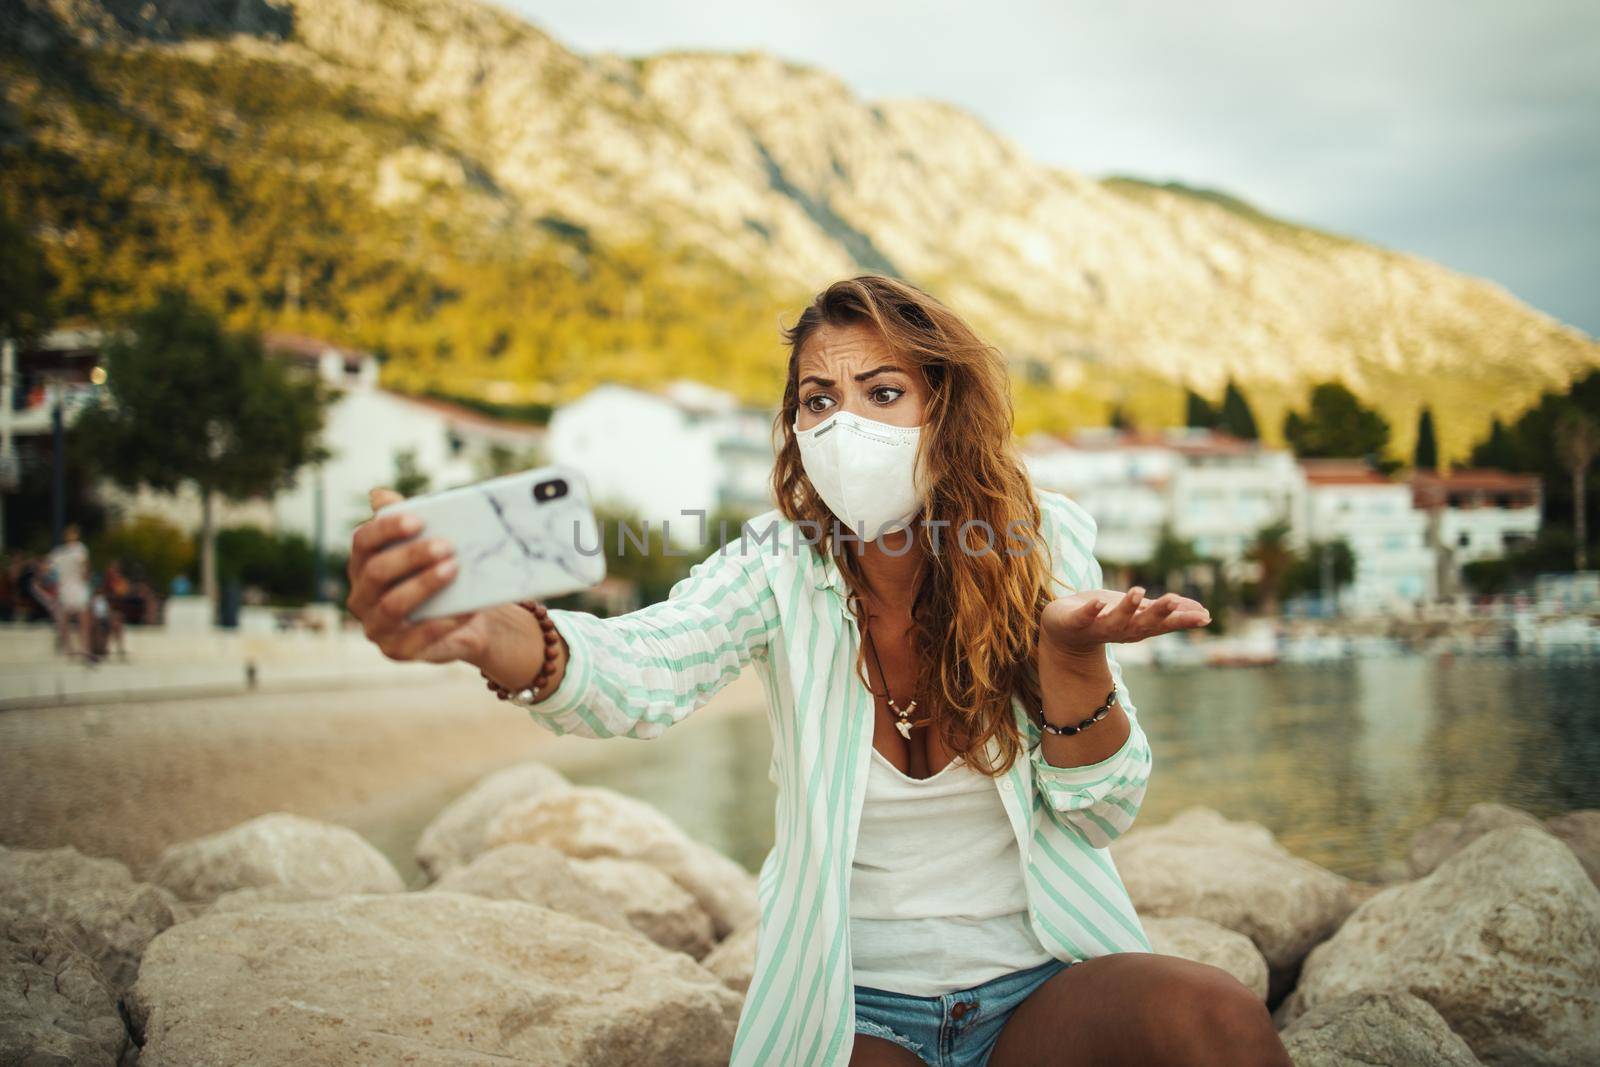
{"x": 1325, "y": 567}
{"x": 503, "y": 459}
{"x": 1171, "y": 559}
{"x": 1271, "y": 552}
{"x": 1337, "y": 425}
{"x": 1496, "y": 450}
{"x": 409, "y": 479}
{"x": 1531, "y": 445}
{"x": 147, "y": 545}
{"x": 1425, "y": 457}
{"x": 190, "y": 402}
{"x": 1199, "y": 413}
{"x": 1236, "y": 418}
{"x": 1578, "y": 440}
{"x": 25, "y": 296}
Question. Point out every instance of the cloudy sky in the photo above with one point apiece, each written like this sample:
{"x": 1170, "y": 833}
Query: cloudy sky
{"x": 1467, "y": 131}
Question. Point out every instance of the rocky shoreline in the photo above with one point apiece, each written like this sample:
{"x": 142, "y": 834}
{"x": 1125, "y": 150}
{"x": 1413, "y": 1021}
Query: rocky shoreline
{"x": 573, "y": 925}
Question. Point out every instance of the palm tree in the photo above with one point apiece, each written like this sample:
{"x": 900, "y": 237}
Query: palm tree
{"x": 1578, "y": 441}
{"x": 1271, "y": 552}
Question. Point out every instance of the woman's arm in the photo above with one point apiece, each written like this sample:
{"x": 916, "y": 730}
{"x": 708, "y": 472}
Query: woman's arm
{"x": 1093, "y": 781}
{"x": 1092, "y": 784}
{"x": 637, "y": 674}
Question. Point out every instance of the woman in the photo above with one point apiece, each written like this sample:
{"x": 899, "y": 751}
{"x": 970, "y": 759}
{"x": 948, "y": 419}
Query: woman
{"x": 70, "y": 562}
{"x": 940, "y": 889}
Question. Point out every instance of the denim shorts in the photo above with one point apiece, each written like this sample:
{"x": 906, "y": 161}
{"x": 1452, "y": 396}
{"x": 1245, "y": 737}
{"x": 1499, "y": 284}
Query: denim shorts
{"x": 957, "y": 1029}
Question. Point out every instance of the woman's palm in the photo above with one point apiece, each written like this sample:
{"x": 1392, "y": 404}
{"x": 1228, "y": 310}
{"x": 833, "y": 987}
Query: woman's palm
{"x": 1103, "y": 617}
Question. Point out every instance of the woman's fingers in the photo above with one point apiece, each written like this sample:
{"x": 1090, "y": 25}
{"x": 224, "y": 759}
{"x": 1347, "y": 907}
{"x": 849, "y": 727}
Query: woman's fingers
{"x": 1120, "y": 616}
{"x": 373, "y": 535}
{"x": 1155, "y": 613}
{"x": 400, "y": 561}
{"x": 1086, "y": 612}
{"x": 1186, "y": 619}
{"x": 390, "y": 610}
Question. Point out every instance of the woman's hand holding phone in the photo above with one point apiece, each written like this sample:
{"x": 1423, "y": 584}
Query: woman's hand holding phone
{"x": 390, "y": 575}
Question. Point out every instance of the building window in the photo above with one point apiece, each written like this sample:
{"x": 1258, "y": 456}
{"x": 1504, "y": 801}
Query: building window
{"x": 1463, "y": 540}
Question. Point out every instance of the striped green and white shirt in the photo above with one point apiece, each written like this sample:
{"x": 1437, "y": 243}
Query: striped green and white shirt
{"x": 762, "y": 602}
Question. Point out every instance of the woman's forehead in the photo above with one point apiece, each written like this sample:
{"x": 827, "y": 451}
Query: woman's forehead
{"x": 857, "y": 344}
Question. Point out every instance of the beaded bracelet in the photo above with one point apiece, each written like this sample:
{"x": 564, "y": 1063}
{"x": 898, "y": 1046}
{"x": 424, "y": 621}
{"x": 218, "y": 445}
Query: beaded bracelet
{"x": 1099, "y": 713}
{"x": 531, "y": 692}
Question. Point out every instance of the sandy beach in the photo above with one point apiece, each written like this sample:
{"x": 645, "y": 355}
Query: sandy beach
{"x": 128, "y": 779}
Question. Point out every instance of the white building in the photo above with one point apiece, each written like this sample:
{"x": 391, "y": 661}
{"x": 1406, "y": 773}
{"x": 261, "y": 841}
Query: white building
{"x": 1122, "y": 480}
{"x": 368, "y": 428}
{"x": 658, "y": 455}
{"x": 1215, "y": 490}
{"x": 1347, "y": 500}
{"x": 1476, "y": 515}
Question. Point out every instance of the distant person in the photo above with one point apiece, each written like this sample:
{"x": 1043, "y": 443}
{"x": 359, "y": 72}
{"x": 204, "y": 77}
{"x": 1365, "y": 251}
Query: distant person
{"x": 120, "y": 591}
{"x": 953, "y": 744}
{"x": 69, "y": 561}
{"x": 106, "y": 604}
{"x": 10, "y": 570}
{"x": 33, "y": 602}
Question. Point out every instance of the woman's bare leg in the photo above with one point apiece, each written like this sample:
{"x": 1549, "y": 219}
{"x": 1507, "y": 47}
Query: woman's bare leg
{"x": 1140, "y": 1009}
{"x": 872, "y": 1051}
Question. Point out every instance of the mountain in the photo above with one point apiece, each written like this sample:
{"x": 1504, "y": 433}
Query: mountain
{"x": 507, "y": 219}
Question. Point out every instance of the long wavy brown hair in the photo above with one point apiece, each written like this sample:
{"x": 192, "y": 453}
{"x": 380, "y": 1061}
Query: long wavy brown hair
{"x": 975, "y": 614}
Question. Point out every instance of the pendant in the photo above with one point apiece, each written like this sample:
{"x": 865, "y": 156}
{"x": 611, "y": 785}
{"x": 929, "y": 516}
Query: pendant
{"x": 903, "y": 718}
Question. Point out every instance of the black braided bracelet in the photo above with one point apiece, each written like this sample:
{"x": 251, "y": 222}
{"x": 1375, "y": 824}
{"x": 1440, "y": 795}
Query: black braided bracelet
{"x": 1099, "y": 713}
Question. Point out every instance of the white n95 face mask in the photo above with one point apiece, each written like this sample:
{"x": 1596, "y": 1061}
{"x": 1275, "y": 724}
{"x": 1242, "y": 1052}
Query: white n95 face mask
{"x": 865, "y": 471}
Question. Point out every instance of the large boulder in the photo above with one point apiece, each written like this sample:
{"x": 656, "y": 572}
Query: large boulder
{"x": 435, "y": 978}
{"x": 536, "y": 874}
{"x": 1387, "y": 1029}
{"x": 1580, "y": 830}
{"x": 95, "y": 902}
{"x": 55, "y": 1007}
{"x": 1443, "y": 838}
{"x": 455, "y": 835}
{"x": 588, "y": 821}
{"x": 301, "y": 855}
{"x": 1235, "y": 874}
{"x": 734, "y": 960}
{"x": 654, "y": 904}
{"x": 1503, "y": 939}
{"x": 1204, "y": 941}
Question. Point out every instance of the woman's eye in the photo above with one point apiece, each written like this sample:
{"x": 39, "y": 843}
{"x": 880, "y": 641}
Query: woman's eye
{"x": 817, "y": 402}
{"x": 886, "y": 394}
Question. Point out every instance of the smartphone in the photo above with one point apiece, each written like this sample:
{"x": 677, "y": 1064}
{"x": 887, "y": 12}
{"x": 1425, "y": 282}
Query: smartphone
{"x": 522, "y": 536}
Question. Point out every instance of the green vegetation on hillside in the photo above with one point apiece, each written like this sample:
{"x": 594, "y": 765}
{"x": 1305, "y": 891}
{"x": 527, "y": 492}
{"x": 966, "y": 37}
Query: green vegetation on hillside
{"x": 251, "y": 184}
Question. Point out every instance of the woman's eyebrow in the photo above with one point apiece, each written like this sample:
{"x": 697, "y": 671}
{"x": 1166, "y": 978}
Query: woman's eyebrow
{"x": 863, "y": 376}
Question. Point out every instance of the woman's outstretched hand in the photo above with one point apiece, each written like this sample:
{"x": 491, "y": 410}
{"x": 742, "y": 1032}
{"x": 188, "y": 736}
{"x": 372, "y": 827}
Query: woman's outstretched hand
{"x": 390, "y": 576}
{"x": 1087, "y": 620}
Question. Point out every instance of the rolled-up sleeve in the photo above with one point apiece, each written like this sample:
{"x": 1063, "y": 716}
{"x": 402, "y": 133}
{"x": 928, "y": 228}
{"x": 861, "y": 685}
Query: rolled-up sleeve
{"x": 637, "y": 674}
{"x": 1099, "y": 801}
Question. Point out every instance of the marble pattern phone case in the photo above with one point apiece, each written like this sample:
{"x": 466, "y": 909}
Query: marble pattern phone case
{"x": 508, "y": 545}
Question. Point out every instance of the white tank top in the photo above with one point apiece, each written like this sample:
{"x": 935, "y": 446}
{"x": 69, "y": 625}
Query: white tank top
{"x": 937, "y": 901}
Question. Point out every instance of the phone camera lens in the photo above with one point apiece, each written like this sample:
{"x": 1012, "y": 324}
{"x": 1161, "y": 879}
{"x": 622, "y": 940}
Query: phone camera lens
{"x": 550, "y": 490}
